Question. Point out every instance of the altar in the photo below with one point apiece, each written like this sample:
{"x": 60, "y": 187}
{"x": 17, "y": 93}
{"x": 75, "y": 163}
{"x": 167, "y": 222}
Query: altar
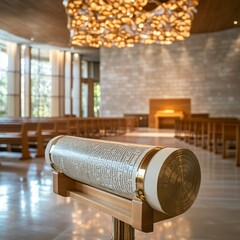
{"x": 164, "y": 112}
{"x": 166, "y": 118}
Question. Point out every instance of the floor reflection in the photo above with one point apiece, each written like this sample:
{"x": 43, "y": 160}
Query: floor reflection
{"x": 30, "y": 210}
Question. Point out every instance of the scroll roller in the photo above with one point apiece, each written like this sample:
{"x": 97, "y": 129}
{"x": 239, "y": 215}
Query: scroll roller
{"x": 167, "y": 178}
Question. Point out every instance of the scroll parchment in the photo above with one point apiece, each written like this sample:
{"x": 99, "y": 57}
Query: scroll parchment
{"x": 170, "y": 177}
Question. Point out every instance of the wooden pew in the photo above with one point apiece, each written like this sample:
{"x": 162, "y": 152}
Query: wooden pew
{"x": 47, "y": 129}
{"x": 97, "y": 127}
{"x": 177, "y": 128}
{"x": 184, "y": 129}
{"x": 131, "y": 123}
{"x": 108, "y": 126}
{"x": 14, "y": 133}
{"x": 38, "y": 131}
{"x": 81, "y": 125}
{"x": 195, "y": 131}
{"x": 88, "y": 128}
{"x": 121, "y": 126}
{"x": 215, "y": 132}
{"x": 35, "y": 137}
{"x": 238, "y": 147}
{"x": 229, "y": 136}
{"x": 72, "y": 126}
{"x": 204, "y": 133}
{"x": 231, "y": 139}
{"x": 181, "y": 128}
{"x": 190, "y": 128}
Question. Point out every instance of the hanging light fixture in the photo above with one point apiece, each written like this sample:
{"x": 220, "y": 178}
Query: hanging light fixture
{"x": 97, "y": 22}
{"x": 123, "y": 23}
{"x": 168, "y": 22}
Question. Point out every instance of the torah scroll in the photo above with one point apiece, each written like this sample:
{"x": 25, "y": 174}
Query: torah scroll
{"x": 167, "y": 178}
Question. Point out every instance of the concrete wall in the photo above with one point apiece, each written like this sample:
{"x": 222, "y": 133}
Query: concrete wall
{"x": 204, "y": 67}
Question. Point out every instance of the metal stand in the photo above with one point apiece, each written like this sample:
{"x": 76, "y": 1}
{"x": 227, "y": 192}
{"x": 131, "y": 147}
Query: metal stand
{"x": 121, "y": 230}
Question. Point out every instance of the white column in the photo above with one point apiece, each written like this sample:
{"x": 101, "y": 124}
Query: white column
{"x": 68, "y": 83}
{"x": 90, "y": 89}
{"x": 14, "y": 80}
{"x": 26, "y": 96}
{"x": 76, "y": 89}
{"x": 57, "y": 96}
{"x": 61, "y": 84}
{"x": 84, "y": 89}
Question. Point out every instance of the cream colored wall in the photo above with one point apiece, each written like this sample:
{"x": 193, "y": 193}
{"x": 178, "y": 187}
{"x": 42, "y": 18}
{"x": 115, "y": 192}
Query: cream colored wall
{"x": 205, "y": 68}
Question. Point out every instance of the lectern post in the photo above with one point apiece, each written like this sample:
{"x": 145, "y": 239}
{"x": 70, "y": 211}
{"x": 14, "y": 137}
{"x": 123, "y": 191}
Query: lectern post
{"x": 121, "y": 230}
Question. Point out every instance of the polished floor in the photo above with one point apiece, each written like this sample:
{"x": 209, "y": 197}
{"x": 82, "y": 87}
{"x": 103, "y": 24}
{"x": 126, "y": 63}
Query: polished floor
{"x": 29, "y": 209}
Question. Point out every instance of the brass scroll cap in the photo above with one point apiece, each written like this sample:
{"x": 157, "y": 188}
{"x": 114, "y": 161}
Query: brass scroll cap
{"x": 48, "y": 152}
{"x": 172, "y": 181}
{"x": 141, "y": 172}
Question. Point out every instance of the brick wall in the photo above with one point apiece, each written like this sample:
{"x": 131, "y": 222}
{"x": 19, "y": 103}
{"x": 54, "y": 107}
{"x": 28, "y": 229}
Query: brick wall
{"x": 204, "y": 67}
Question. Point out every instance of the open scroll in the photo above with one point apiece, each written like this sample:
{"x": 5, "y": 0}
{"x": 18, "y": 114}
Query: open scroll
{"x": 167, "y": 178}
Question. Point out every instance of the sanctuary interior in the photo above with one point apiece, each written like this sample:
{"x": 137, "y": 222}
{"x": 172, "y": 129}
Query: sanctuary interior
{"x": 181, "y": 94}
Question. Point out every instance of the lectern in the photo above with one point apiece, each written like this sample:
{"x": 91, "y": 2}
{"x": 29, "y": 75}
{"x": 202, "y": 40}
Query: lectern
{"x": 138, "y": 185}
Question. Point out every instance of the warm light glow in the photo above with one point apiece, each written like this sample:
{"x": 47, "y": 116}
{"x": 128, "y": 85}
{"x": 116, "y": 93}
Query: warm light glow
{"x": 168, "y": 111}
{"x": 123, "y": 23}
{"x": 168, "y": 133}
{"x": 235, "y": 22}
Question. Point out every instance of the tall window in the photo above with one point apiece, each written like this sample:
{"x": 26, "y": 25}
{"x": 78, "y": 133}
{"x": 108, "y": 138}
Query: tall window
{"x": 90, "y": 73}
{"x": 97, "y": 98}
{"x": 40, "y": 83}
{"x": 40, "y": 70}
{"x": 3, "y": 80}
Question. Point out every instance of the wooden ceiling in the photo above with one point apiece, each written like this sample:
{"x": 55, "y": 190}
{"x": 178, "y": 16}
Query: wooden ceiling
{"x": 216, "y": 15}
{"x": 45, "y": 21}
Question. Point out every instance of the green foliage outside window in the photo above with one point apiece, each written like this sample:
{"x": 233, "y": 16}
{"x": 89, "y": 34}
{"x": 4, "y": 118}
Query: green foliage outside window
{"x": 97, "y": 99}
{"x": 41, "y": 87}
{"x": 3, "y": 82}
{"x": 3, "y": 94}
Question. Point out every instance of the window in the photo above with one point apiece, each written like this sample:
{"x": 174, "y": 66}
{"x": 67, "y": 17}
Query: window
{"x": 84, "y": 98}
{"x": 38, "y": 75}
{"x": 84, "y": 69}
{"x": 90, "y": 75}
{"x": 97, "y": 98}
{"x": 40, "y": 83}
{"x": 3, "y": 80}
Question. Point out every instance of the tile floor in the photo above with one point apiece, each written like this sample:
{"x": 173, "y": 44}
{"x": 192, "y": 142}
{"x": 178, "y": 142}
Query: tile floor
{"x": 29, "y": 209}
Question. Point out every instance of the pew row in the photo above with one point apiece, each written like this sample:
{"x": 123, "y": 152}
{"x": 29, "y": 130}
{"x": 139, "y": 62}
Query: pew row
{"x": 26, "y": 132}
{"x": 219, "y": 135}
{"x": 21, "y": 134}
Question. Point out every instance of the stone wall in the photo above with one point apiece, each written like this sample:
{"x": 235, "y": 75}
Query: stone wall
{"x": 204, "y": 67}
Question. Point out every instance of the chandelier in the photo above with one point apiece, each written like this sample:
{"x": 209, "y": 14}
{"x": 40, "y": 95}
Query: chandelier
{"x": 123, "y": 23}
